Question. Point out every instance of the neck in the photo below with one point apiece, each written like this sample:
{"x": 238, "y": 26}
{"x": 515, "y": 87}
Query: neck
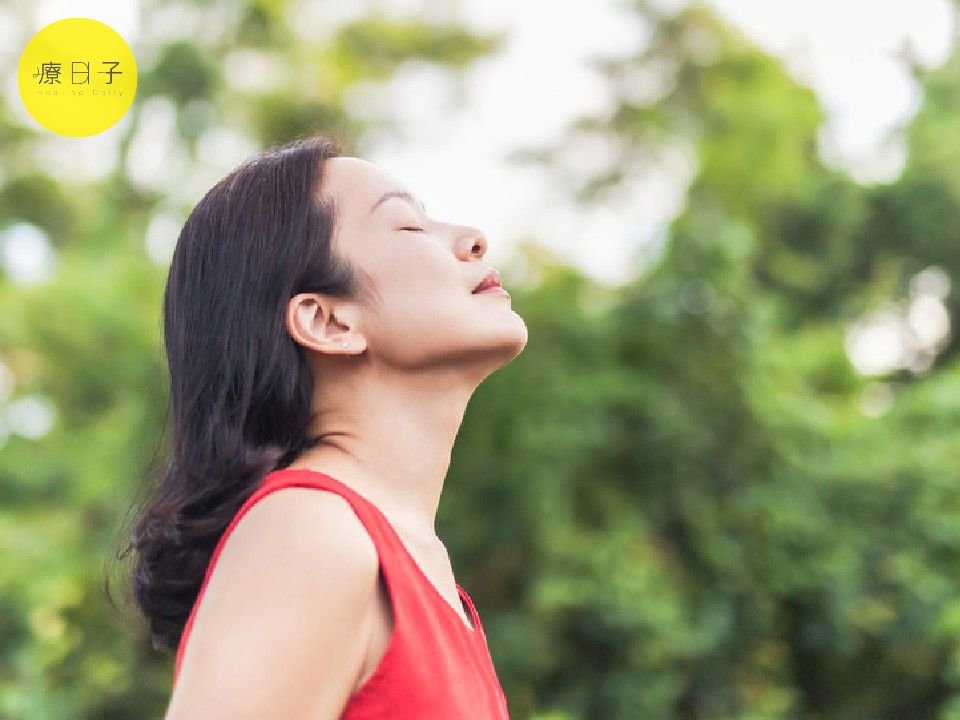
{"x": 389, "y": 436}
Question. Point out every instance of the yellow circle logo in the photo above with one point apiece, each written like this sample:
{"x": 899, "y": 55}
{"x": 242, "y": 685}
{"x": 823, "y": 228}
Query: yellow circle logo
{"x": 77, "y": 77}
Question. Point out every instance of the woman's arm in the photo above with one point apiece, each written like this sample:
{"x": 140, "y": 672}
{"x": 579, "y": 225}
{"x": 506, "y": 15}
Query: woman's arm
{"x": 282, "y": 629}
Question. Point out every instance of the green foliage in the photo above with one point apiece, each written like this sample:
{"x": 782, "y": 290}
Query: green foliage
{"x": 374, "y": 47}
{"x": 183, "y": 71}
{"x": 726, "y": 533}
{"x": 677, "y": 503}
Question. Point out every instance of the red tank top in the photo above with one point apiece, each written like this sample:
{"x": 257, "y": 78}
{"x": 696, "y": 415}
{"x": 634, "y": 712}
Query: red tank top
{"x": 434, "y": 666}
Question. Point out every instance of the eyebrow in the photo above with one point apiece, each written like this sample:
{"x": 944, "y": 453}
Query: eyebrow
{"x": 409, "y": 197}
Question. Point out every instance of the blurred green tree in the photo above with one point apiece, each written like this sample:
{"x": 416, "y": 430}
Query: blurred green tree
{"x": 748, "y": 527}
{"x": 683, "y": 501}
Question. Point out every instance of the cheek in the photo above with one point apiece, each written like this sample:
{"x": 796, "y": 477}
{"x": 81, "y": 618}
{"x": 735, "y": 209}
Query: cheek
{"x": 420, "y": 272}
{"x": 422, "y": 311}
{"x": 417, "y": 298}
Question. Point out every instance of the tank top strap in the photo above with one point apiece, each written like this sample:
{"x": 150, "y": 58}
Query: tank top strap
{"x": 369, "y": 514}
{"x": 408, "y": 586}
{"x": 402, "y": 575}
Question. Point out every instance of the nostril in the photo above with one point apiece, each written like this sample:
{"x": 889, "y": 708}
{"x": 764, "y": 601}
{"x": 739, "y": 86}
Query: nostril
{"x": 472, "y": 243}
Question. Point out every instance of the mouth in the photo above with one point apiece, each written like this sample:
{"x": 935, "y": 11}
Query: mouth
{"x": 490, "y": 280}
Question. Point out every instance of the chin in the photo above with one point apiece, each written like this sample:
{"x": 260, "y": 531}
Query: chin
{"x": 522, "y": 337}
{"x": 514, "y": 342}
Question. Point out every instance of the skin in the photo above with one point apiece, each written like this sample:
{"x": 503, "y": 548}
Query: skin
{"x": 390, "y": 403}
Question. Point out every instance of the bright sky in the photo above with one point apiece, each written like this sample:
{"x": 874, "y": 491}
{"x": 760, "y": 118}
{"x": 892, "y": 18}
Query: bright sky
{"x": 454, "y": 147}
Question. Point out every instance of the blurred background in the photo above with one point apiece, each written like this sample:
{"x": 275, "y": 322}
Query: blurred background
{"x": 723, "y": 479}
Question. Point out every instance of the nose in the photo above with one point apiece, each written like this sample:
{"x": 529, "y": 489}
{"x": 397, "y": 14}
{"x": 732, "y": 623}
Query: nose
{"x": 471, "y": 242}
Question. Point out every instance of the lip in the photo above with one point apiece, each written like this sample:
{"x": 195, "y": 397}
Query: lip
{"x": 493, "y": 290}
{"x": 490, "y": 280}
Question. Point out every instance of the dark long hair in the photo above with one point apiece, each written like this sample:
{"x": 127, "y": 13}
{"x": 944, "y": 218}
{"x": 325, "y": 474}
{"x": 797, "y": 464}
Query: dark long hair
{"x": 240, "y": 387}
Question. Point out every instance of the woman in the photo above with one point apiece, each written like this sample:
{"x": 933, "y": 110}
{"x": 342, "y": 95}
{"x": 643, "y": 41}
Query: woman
{"x": 322, "y": 333}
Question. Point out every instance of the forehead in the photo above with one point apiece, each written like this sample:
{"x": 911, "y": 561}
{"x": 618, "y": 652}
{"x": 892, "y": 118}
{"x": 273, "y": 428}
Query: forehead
{"x": 358, "y": 185}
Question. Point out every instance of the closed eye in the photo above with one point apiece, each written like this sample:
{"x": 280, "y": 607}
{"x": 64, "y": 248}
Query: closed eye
{"x": 414, "y": 229}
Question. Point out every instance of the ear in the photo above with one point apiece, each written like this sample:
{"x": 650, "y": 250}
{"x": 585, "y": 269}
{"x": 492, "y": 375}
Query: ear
{"x": 323, "y": 323}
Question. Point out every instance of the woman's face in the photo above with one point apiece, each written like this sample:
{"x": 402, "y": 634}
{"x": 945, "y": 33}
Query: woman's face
{"x": 423, "y": 272}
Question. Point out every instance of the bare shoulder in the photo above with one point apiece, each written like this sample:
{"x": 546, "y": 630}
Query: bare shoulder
{"x": 283, "y": 626}
{"x": 307, "y": 520}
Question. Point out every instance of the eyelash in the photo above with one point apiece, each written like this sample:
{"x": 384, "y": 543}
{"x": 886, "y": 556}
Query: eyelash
{"x": 417, "y": 229}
